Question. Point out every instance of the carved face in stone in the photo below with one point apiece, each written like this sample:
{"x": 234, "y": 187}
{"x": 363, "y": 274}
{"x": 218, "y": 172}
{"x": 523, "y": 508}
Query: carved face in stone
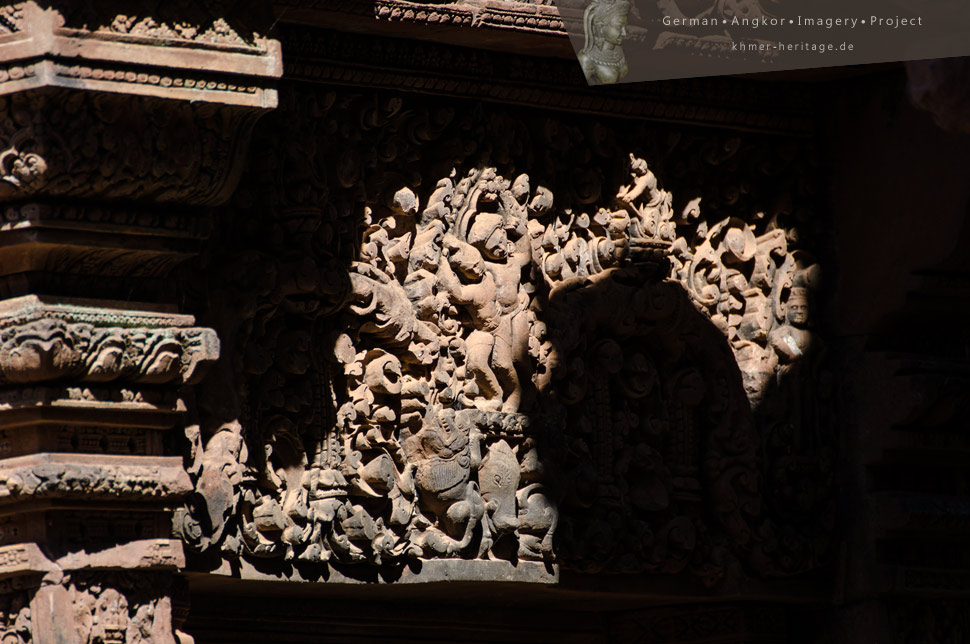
{"x": 440, "y": 436}
{"x": 613, "y": 28}
{"x": 489, "y": 236}
{"x": 798, "y": 310}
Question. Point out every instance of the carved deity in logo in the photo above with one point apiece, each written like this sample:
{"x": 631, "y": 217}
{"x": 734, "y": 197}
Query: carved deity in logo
{"x": 604, "y": 26}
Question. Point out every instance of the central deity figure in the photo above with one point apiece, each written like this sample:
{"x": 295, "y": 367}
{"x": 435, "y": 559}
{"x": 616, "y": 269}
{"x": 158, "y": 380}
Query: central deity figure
{"x": 490, "y": 261}
{"x": 604, "y": 25}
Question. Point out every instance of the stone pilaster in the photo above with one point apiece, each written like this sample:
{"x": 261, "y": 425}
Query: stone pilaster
{"x": 121, "y": 124}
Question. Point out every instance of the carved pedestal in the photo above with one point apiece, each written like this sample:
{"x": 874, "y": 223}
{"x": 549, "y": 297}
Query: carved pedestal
{"x": 118, "y": 130}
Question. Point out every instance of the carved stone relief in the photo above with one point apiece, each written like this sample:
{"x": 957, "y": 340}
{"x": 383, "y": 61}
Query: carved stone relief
{"x": 212, "y": 51}
{"x": 42, "y": 342}
{"x": 113, "y": 145}
{"x": 557, "y": 366}
{"x": 15, "y": 618}
{"x": 20, "y": 168}
{"x": 119, "y": 608}
{"x": 74, "y": 144}
{"x": 129, "y": 368}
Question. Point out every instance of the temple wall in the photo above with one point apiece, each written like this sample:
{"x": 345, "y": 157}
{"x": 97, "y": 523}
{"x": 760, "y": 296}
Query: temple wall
{"x": 322, "y": 327}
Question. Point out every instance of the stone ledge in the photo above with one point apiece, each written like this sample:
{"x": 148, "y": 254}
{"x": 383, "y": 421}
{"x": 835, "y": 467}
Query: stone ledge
{"x": 422, "y": 571}
{"x": 92, "y": 406}
{"x": 108, "y": 313}
{"x": 28, "y": 558}
{"x": 131, "y": 222}
{"x": 145, "y": 58}
{"x": 92, "y": 477}
{"x": 46, "y": 340}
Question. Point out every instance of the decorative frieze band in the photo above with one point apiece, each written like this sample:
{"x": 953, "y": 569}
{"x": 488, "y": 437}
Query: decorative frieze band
{"x": 191, "y": 57}
{"x": 547, "y": 83}
{"x": 42, "y": 342}
{"x": 89, "y": 477}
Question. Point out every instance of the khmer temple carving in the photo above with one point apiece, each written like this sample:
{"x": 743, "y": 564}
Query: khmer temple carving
{"x": 456, "y": 380}
{"x": 409, "y": 333}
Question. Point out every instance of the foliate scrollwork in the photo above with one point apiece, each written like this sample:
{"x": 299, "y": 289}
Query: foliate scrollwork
{"x": 754, "y": 288}
{"x": 20, "y": 167}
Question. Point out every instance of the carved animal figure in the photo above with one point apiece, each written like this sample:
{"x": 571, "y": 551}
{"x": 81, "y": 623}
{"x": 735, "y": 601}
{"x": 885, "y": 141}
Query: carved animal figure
{"x": 442, "y": 456}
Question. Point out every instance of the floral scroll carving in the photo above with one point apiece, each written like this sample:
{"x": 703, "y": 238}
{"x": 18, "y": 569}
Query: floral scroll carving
{"x": 496, "y": 366}
{"x": 18, "y": 167}
{"x": 755, "y": 290}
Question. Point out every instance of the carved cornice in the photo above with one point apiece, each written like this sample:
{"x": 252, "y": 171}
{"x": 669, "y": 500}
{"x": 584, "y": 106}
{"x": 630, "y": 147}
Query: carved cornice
{"x": 521, "y": 16}
{"x": 25, "y": 558}
{"x": 81, "y": 219}
{"x": 81, "y": 144}
{"x": 87, "y": 477}
{"x": 178, "y": 54}
{"x": 112, "y": 110}
{"x": 42, "y": 342}
{"x": 89, "y": 403}
{"x": 529, "y": 17}
{"x": 530, "y": 28}
{"x": 430, "y": 68}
